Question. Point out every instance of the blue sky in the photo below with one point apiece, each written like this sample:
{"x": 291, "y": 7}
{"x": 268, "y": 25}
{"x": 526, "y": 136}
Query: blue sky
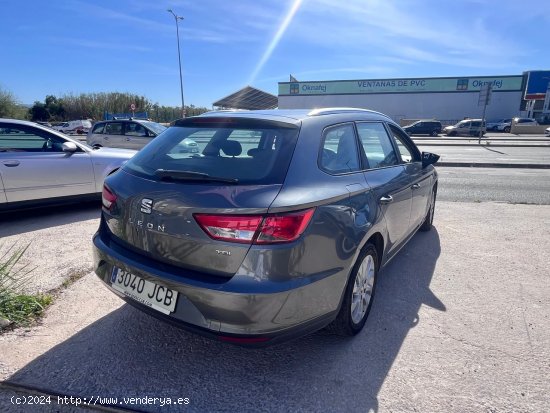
{"x": 73, "y": 46}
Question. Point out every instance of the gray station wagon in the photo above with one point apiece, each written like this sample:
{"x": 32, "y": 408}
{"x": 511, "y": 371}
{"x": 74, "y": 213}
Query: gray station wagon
{"x": 276, "y": 228}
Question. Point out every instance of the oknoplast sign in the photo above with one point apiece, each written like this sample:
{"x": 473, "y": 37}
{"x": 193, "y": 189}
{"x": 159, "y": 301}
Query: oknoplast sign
{"x": 409, "y": 85}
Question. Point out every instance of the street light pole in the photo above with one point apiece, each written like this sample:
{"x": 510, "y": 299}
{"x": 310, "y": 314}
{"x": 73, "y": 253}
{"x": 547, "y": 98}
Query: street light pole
{"x": 176, "y": 17}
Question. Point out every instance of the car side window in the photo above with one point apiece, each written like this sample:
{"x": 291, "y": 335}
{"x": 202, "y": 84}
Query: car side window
{"x": 407, "y": 154}
{"x": 135, "y": 129}
{"x": 99, "y": 128}
{"x": 339, "y": 151}
{"x": 377, "y": 145}
{"x": 22, "y": 138}
{"x": 113, "y": 128}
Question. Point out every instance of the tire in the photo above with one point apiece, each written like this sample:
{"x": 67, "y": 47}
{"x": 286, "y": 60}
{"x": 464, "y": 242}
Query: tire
{"x": 453, "y": 133}
{"x": 428, "y": 221}
{"x": 434, "y": 133}
{"x": 359, "y": 294}
{"x": 506, "y": 129}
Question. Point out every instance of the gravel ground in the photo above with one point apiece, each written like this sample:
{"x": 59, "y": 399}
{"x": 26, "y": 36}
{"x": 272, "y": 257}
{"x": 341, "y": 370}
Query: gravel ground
{"x": 459, "y": 324}
{"x": 59, "y": 242}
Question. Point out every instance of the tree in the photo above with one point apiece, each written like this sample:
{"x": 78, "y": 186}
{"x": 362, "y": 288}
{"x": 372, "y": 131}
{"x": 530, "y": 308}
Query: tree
{"x": 38, "y": 112}
{"x": 55, "y": 108}
{"x": 9, "y": 108}
{"x": 95, "y": 105}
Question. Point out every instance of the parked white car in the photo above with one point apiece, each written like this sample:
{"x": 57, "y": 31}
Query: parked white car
{"x": 547, "y": 132}
{"x": 39, "y": 165}
{"x": 80, "y": 127}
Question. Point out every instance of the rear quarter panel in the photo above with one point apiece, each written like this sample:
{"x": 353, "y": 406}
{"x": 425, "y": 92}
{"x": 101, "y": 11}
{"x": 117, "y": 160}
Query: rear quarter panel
{"x": 346, "y": 214}
{"x": 103, "y": 166}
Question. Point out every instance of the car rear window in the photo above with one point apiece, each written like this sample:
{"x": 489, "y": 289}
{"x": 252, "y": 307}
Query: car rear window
{"x": 155, "y": 127}
{"x": 247, "y": 150}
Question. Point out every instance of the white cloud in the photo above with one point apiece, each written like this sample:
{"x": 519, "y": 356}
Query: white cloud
{"x": 406, "y": 30}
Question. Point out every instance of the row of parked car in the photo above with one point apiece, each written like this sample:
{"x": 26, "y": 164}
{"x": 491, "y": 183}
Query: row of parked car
{"x": 432, "y": 127}
{"x": 466, "y": 127}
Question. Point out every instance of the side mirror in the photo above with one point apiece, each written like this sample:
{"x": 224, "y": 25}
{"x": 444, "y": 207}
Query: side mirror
{"x": 429, "y": 159}
{"x": 69, "y": 147}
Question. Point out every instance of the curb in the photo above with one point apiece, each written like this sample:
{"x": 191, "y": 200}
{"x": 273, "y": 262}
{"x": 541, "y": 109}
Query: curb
{"x": 491, "y": 145}
{"x": 494, "y": 165}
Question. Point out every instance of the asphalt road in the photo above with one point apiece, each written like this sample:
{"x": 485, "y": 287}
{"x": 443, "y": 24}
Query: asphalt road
{"x": 515, "y": 186}
{"x": 489, "y": 136}
{"x": 488, "y": 154}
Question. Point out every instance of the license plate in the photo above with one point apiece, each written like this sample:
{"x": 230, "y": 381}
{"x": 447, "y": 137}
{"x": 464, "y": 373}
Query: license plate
{"x": 146, "y": 292}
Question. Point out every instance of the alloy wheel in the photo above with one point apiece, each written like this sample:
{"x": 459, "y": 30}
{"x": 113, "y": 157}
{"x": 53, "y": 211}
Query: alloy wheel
{"x": 362, "y": 289}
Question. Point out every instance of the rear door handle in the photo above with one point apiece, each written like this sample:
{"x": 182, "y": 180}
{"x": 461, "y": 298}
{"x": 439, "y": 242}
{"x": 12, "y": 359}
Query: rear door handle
{"x": 415, "y": 186}
{"x": 386, "y": 199}
{"x": 11, "y": 164}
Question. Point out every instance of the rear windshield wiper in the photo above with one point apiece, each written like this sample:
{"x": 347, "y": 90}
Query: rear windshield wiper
{"x": 170, "y": 174}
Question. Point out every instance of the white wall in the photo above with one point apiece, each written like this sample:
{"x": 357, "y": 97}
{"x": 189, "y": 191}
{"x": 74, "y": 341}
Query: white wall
{"x": 442, "y": 106}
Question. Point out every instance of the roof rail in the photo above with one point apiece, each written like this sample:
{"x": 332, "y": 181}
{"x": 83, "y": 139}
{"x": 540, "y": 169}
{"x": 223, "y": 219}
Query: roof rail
{"x": 333, "y": 111}
{"x": 214, "y": 111}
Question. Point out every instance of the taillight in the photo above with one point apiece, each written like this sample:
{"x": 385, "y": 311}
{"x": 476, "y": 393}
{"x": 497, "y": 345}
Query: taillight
{"x": 235, "y": 228}
{"x": 256, "y": 229}
{"x": 284, "y": 227}
{"x": 108, "y": 198}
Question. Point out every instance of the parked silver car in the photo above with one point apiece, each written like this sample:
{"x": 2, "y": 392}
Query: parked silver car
{"x": 467, "y": 127}
{"x": 124, "y": 133}
{"x": 276, "y": 229}
{"x": 507, "y": 126}
{"x": 39, "y": 165}
{"x": 498, "y": 124}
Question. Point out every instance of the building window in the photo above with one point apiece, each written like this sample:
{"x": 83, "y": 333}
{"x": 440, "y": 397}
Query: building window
{"x": 462, "y": 84}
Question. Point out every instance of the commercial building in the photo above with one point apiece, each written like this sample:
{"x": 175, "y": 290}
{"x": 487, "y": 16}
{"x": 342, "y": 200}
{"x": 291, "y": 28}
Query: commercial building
{"x": 445, "y": 98}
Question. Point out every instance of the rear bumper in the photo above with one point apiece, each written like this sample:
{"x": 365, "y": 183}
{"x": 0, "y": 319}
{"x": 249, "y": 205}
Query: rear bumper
{"x": 240, "y": 310}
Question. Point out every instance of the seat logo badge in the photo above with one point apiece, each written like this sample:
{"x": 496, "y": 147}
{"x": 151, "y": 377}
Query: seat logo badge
{"x": 146, "y": 205}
